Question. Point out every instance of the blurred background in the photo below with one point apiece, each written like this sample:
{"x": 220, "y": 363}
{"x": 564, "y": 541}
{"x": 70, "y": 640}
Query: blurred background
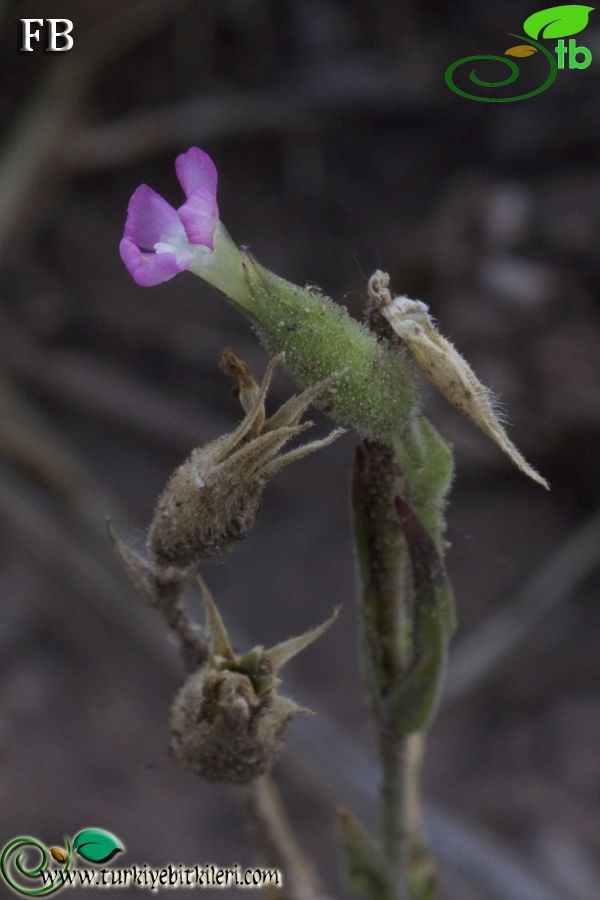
{"x": 340, "y": 149}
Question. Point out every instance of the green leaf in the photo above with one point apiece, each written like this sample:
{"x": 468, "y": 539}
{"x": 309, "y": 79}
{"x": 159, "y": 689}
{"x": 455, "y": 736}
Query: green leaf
{"x": 427, "y": 460}
{"x": 413, "y": 700}
{"x": 367, "y": 871}
{"x": 96, "y": 845}
{"x": 557, "y": 21}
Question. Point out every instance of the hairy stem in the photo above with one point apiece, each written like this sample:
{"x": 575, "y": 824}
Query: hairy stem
{"x": 394, "y": 807}
{"x": 386, "y": 612}
{"x": 399, "y": 494}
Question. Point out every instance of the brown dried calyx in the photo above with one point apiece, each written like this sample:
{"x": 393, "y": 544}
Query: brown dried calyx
{"x": 213, "y": 498}
{"x": 228, "y": 719}
{"x": 448, "y": 371}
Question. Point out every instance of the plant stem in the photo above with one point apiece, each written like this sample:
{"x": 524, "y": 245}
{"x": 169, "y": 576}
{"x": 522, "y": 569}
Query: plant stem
{"x": 415, "y": 746}
{"x": 386, "y": 611}
{"x": 394, "y": 808}
{"x": 273, "y": 832}
{"x": 398, "y": 501}
{"x": 420, "y": 862}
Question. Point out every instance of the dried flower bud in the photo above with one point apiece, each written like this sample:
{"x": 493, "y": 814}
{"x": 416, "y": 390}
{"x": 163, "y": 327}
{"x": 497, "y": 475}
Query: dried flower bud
{"x": 223, "y": 731}
{"x": 446, "y": 368}
{"x": 228, "y": 719}
{"x": 213, "y": 499}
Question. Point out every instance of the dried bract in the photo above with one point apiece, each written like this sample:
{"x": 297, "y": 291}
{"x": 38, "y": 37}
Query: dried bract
{"x": 445, "y": 367}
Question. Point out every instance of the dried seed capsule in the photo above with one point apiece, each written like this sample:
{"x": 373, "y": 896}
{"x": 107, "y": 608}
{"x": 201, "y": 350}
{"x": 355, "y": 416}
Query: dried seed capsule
{"x": 214, "y": 497}
{"x": 228, "y": 719}
{"x": 223, "y": 731}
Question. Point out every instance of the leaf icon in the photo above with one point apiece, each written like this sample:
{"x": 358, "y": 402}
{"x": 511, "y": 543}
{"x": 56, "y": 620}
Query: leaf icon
{"x": 557, "y": 21}
{"x": 96, "y": 845}
{"x": 520, "y": 50}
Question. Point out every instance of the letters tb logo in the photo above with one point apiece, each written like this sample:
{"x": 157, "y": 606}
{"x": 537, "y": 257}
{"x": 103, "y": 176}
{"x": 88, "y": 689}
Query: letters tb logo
{"x": 574, "y": 52}
{"x": 59, "y": 34}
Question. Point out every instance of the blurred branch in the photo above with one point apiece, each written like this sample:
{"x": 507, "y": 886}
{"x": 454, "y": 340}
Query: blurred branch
{"x": 273, "y": 833}
{"x": 91, "y": 385}
{"x": 73, "y": 552}
{"x": 477, "y": 657}
{"x": 131, "y": 25}
{"x": 327, "y": 91}
{"x": 34, "y": 153}
{"x": 30, "y": 442}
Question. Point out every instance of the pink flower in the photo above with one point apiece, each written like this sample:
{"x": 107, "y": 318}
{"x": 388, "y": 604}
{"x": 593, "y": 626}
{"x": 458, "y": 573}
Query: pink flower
{"x": 159, "y": 241}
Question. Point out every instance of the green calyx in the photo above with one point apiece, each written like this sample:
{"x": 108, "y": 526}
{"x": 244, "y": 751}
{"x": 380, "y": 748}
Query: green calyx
{"x": 374, "y": 393}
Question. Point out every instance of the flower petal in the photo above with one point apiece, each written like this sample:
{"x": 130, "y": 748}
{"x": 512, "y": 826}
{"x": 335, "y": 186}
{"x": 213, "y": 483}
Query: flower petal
{"x": 148, "y": 269}
{"x": 151, "y": 219}
{"x": 200, "y": 215}
{"x": 195, "y": 169}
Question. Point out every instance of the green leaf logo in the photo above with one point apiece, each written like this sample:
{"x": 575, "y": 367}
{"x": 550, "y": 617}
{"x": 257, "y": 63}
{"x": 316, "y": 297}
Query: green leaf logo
{"x": 96, "y": 845}
{"x": 557, "y": 21}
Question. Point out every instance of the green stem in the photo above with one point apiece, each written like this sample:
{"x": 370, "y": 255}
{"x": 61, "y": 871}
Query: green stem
{"x": 398, "y": 502}
{"x": 384, "y": 567}
{"x": 394, "y": 807}
{"x": 386, "y": 613}
{"x": 423, "y": 880}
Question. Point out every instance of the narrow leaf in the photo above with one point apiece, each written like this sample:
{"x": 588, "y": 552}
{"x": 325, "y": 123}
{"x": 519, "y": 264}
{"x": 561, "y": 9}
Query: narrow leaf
{"x": 137, "y": 568}
{"x": 429, "y": 459}
{"x": 278, "y": 656}
{"x": 413, "y": 700}
{"x": 96, "y": 845}
{"x": 214, "y": 623}
{"x": 557, "y": 21}
{"x": 367, "y": 870}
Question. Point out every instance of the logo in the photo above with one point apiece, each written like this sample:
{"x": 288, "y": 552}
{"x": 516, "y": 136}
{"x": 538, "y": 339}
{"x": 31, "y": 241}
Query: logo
{"x": 92, "y": 845}
{"x": 555, "y": 22}
{"x": 59, "y": 34}
{"x": 30, "y": 869}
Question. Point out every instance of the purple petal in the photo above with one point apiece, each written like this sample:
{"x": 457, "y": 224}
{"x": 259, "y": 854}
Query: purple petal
{"x": 148, "y": 269}
{"x": 195, "y": 169}
{"x": 200, "y": 215}
{"x": 151, "y": 219}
